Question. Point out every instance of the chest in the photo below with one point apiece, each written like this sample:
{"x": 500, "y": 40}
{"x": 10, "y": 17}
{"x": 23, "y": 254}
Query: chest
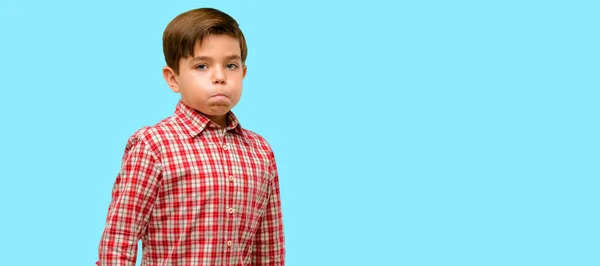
{"x": 213, "y": 165}
{"x": 219, "y": 172}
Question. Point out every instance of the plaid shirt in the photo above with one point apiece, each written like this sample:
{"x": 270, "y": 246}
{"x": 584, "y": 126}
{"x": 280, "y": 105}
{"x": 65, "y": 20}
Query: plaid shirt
{"x": 195, "y": 194}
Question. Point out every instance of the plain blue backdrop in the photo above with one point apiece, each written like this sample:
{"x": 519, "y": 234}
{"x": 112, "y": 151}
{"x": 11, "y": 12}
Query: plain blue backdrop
{"x": 406, "y": 132}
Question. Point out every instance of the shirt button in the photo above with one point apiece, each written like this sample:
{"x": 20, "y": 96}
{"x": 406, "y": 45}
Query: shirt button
{"x": 230, "y": 210}
{"x": 229, "y": 243}
{"x": 225, "y": 147}
{"x": 231, "y": 178}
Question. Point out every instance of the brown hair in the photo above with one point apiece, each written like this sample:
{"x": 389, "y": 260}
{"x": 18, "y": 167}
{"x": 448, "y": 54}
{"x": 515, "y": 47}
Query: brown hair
{"x": 193, "y": 26}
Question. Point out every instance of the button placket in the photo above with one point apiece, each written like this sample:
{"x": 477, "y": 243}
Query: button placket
{"x": 230, "y": 190}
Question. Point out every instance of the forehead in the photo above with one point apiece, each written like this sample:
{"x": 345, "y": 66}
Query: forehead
{"x": 217, "y": 46}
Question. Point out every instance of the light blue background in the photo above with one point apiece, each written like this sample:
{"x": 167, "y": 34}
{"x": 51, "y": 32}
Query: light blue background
{"x": 429, "y": 133}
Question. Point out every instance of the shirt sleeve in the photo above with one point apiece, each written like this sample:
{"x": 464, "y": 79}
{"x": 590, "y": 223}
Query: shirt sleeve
{"x": 269, "y": 244}
{"x": 133, "y": 196}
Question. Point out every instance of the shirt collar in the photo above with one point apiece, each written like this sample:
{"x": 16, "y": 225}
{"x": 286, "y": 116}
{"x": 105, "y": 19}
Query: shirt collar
{"x": 194, "y": 122}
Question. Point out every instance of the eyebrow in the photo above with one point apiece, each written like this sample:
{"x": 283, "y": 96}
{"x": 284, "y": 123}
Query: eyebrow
{"x": 208, "y": 58}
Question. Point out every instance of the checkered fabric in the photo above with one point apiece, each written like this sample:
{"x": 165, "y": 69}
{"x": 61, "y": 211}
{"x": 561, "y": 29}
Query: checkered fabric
{"x": 195, "y": 194}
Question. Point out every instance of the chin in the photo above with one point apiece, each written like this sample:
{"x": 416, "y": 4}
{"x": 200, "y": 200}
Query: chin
{"x": 218, "y": 111}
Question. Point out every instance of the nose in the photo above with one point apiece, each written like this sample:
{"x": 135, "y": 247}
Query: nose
{"x": 218, "y": 77}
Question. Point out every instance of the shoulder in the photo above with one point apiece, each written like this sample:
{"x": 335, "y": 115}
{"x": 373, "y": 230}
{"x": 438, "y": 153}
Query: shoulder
{"x": 152, "y": 136}
{"x": 261, "y": 144}
{"x": 257, "y": 139}
{"x": 263, "y": 147}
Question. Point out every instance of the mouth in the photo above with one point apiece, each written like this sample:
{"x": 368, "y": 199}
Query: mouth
{"x": 220, "y": 95}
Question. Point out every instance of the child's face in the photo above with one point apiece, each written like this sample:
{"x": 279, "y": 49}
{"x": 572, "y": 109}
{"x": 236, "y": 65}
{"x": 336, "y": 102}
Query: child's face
{"x": 211, "y": 81}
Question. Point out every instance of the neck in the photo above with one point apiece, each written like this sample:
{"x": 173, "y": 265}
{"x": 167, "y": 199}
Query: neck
{"x": 220, "y": 120}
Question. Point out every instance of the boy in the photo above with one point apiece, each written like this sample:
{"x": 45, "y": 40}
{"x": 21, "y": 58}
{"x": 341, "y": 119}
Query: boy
{"x": 197, "y": 188}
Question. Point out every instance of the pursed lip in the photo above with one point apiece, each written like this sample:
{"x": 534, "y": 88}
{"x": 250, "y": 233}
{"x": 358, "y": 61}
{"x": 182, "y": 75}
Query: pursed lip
{"x": 220, "y": 95}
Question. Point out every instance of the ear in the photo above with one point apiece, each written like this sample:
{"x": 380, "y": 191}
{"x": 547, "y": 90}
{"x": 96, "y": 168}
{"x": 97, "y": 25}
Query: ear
{"x": 245, "y": 68}
{"x": 171, "y": 79}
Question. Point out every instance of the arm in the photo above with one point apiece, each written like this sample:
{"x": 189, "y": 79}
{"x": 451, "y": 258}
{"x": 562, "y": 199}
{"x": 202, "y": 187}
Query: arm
{"x": 133, "y": 197}
{"x": 269, "y": 248}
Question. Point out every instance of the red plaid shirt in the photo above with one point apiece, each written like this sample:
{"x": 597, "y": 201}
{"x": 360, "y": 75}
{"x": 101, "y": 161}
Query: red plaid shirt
{"x": 195, "y": 194}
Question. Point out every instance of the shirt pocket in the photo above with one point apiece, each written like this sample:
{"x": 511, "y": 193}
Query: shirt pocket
{"x": 256, "y": 193}
{"x": 248, "y": 257}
